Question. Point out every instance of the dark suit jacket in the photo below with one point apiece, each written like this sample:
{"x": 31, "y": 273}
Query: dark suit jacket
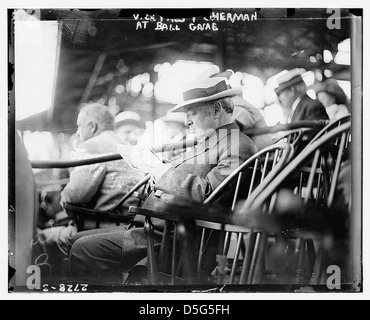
{"x": 195, "y": 174}
{"x": 309, "y": 109}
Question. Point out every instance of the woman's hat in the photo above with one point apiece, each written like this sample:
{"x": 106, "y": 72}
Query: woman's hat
{"x": 332, "y": 87}
{"x": 204, "y": 90}
{"x": 289, "y": 79}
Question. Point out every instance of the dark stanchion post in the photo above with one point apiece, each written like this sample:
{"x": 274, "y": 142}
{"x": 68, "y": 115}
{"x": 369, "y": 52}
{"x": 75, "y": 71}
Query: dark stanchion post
{"x": 356, "y": 214}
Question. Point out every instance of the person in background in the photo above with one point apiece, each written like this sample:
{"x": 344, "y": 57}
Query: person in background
{"x": 297, "y": 105}
{"x": 175, "y": 126}
{"x": 333, "y": 98}
{"x": 248, "y": 117}
{"x": 175, "y": 131}
{"x": 98, "y": 186}
{"x": 127, "y": 125}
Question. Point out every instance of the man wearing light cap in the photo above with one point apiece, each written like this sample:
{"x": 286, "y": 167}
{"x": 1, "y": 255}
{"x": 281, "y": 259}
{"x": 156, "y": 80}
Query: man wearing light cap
{"x": 296, "y": 104}
{"x": 175, "y": 131}
{"x": 127, "y": 125}
{"x": 196, "y": 174}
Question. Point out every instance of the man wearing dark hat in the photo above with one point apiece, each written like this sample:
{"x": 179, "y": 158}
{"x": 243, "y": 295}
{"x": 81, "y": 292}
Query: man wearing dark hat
{"x": 296, "y": 104}
{"x": 221, "y": 149}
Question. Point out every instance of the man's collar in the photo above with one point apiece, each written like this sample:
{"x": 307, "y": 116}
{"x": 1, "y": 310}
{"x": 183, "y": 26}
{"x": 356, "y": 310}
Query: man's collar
{"x": 228, "y": 126}
{"x": 217, "y": 134}
{"x": 294, "y": 107}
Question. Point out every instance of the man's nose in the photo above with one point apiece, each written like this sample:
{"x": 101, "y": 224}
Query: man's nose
{"x": 188, "y": 121}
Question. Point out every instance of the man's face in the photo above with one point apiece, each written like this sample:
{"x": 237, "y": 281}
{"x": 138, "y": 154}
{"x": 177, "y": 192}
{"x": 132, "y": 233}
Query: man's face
{"x": 201, "y": 120}
{"x": 286, "y": 98}
{"x": 129, "y": 132}
{"x": 326, "y": 99}
{"x": 85, "y": 128}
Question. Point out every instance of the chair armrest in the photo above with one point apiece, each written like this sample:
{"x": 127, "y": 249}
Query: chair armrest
{"x": 73, "y": 211}
{"x": 179, "y": 211}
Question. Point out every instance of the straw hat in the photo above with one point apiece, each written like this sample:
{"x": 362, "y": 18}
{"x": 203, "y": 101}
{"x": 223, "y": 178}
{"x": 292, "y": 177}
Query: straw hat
{"x": 204, "y": 90}
{"x": 289, "y": 79}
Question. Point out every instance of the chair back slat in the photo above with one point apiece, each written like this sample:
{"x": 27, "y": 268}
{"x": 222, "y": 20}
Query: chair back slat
{"x": 264, "y": 170}
{"x": 336, "y": 170}
{"x": 315, "y": 161}
{"x": 236, "y": 193}
{"x": 256, "y": 163}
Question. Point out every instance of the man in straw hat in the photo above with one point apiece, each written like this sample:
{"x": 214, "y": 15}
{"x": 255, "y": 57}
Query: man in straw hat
{"x": 221, "y": 149}
{"x": 296, "y": 104}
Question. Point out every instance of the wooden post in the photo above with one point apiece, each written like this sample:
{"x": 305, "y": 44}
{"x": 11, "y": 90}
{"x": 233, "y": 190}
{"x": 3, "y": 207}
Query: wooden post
{"x": 94, "y": 76}
{"x": 356, "y": 214}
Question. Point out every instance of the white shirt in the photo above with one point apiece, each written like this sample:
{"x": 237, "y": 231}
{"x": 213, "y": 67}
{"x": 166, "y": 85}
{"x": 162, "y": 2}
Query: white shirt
{"x": 294, "y": 106}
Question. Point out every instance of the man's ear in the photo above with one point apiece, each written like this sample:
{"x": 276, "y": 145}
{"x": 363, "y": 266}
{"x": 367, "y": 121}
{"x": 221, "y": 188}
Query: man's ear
{"x": 94, "y": 127}
{"x": 217, "y": 108}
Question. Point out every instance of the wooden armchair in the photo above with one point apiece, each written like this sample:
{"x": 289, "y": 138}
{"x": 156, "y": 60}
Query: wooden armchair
{"x": 306, "y": 214}
{"x": 189, "y": 245}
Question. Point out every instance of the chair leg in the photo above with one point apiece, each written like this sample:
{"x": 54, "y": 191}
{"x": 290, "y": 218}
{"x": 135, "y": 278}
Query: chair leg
{"x": 311, "y": 255}
{"x": 173, "y": 260}
{"x": 152, "y": 265}
{"x": 236, "y": 258}
{"x": 248, "y": 258}
{"x": 318, "y": 268}
{"x": 254, "y": 258}
{"x": 258, "y": 258}
{"x": 189, "y": 264}
{"x": 260, "y": 266}
{"x": 224, "y": 243}
{"x": 163, "y": 258}
{"x": 301, "y": 262}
